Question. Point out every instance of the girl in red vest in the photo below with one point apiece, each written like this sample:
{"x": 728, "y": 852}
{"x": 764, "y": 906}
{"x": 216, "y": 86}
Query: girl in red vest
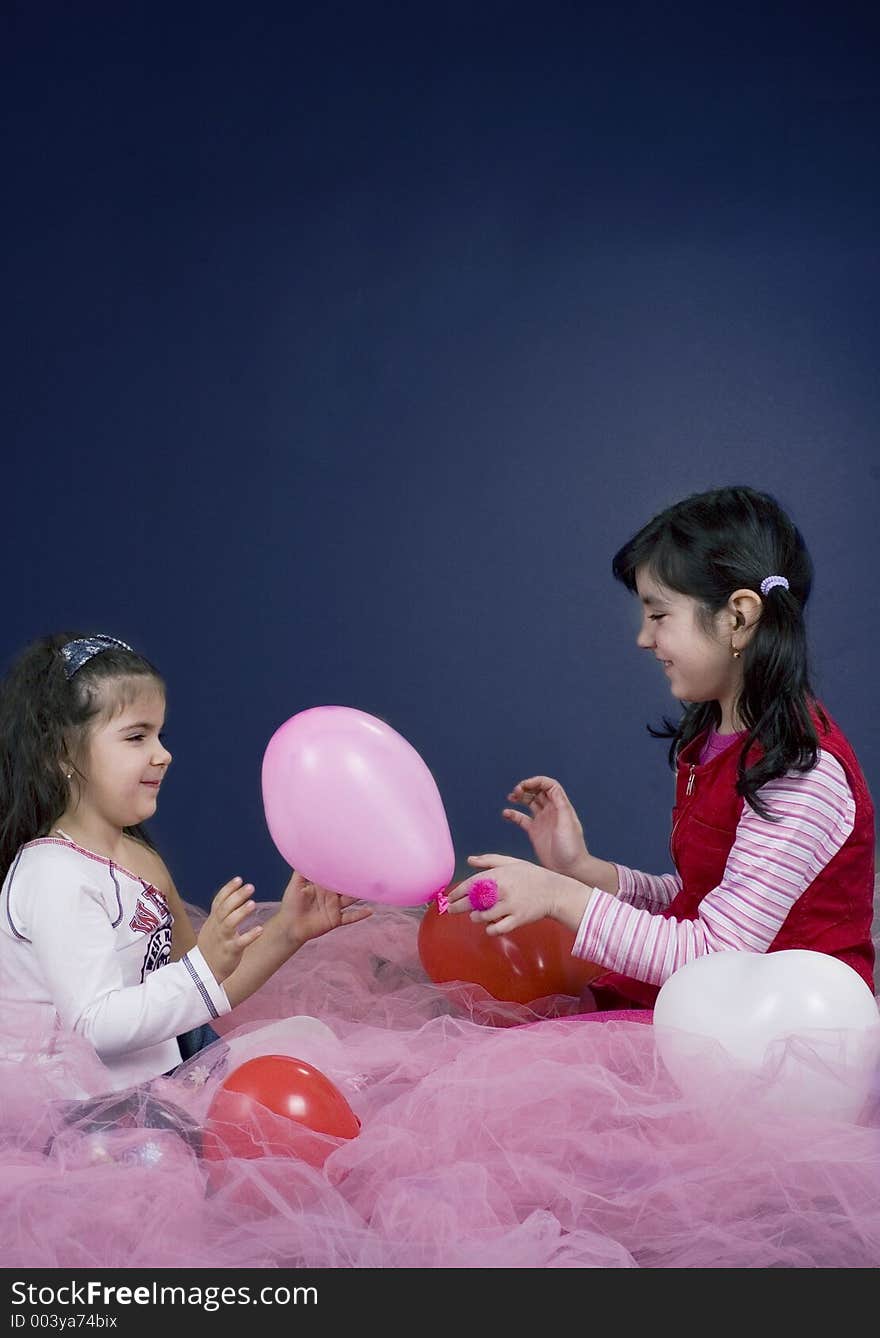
{"x": 773, "y": 825}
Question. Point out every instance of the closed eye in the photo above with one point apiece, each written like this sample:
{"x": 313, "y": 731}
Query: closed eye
{"x": 655, "y": 617}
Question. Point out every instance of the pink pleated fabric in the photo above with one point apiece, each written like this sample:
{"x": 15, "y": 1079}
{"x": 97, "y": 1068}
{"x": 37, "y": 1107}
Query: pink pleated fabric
{"x": 492, "y": 1135}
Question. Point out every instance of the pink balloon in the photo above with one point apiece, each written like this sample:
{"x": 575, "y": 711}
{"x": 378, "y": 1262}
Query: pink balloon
{"x": 352, "y": 806}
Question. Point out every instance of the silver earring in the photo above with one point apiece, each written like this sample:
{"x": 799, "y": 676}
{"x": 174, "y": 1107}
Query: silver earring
{"x": 69, "y": 774}
{"x": 734, "y": 652}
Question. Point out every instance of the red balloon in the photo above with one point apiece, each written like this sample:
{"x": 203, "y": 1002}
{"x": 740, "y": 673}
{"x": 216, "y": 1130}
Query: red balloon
{"x": 527, "y": 964}
{"x": 274, "y": 1106}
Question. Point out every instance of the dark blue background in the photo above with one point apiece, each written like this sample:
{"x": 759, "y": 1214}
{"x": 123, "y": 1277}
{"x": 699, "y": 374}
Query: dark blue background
{"x": 345, "y": 344}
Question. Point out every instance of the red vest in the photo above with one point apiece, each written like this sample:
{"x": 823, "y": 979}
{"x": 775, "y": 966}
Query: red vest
{"x": 832, "y": 915}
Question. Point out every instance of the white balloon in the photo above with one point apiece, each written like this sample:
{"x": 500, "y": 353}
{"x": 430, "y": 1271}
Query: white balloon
{"x": 801, "y": 1028}
{"x": 300, "y": 1037}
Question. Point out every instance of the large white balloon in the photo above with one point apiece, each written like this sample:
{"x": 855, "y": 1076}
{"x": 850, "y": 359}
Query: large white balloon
{"x": 801, "y": 1027}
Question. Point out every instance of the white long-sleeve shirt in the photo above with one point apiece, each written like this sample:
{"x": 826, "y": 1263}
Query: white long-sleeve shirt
{"x": 88, "y": 944}
{"x": 770, "y": 864}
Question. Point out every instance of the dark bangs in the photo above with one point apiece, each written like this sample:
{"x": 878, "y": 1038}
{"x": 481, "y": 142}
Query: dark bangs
{"x": 109, "y": 682}
{"x": 672, "y": 557}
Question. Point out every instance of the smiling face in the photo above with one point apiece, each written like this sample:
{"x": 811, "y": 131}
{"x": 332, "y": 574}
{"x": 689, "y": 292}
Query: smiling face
{"x": 123, "y": 760}
{"x": 696, "y": 658}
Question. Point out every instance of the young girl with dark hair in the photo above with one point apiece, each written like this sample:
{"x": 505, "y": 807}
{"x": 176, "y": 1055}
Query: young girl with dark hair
{"x": 773, "y": 825}
{"x": 88, "y": 910}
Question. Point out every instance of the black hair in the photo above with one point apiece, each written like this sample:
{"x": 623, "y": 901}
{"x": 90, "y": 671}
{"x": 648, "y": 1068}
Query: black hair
{"x": 707, "y": 546}
{"x": 44, "y": 718}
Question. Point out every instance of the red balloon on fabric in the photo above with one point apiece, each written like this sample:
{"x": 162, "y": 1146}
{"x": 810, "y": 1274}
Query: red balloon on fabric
{"x": 527, "y": 964}
{"x": 274, "y": 1106}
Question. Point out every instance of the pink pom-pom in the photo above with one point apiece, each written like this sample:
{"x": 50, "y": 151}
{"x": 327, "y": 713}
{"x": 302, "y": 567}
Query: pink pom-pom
{"x": 483, "y": 894}
{"x": 442, "y": 903}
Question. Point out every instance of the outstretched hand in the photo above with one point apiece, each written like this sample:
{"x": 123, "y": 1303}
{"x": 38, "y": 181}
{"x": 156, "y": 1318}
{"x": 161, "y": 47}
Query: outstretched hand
{"x": 551, "y": 824}
{"x": 219, "y": 942}
{"x": 312, "y": 910}
{"x": 526, "y": 892}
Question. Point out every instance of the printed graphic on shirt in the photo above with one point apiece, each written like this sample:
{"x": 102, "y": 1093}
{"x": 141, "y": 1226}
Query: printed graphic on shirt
{"x": 152, "y": 917}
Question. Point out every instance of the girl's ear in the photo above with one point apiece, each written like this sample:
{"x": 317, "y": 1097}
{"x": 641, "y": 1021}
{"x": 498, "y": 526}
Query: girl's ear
{"x": 65, "y": 761}
{"x": 745, "y": 610}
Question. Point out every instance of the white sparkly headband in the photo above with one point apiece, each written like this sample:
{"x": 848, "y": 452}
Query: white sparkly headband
{"x": 77, "y": 653}
{"x": 769, "y": 581}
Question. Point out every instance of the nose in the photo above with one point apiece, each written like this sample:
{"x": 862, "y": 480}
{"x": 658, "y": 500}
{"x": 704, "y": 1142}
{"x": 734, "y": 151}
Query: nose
{"x": 645, "y": 638}
{"x": 162, "y": 757}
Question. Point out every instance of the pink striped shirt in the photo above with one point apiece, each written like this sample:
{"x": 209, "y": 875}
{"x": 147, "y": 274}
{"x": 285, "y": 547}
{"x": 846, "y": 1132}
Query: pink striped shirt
{"x": 770, "y": 864}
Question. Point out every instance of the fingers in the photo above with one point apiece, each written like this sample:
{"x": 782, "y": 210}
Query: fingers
{"x": 490, "y": 918}
{"x": 491, "y": 861}
{"x": 459, "y": 902}
{"x": 559, "y": 800}
{"x": 231, "y": 895}
{"x": 518, "y": 819}
{"x": 229, "y": 889}
{"x": 531, "y": 786}
{"x": 458, "y": 896}
{"x": 349, "y": 909}
{"x": 350, "y": 915}
{"x": 231, "y": 907}
{"x": 248, "y": 937}
{"x": 233, "y": 918}
{"x": 536, "y": 790}
{"x": 300, "y": 883}
{"x": 505, "y": 925}
{"x": 532, "y": 798}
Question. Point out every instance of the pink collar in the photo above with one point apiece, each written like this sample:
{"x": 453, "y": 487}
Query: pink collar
{"x": 62, "y": 839}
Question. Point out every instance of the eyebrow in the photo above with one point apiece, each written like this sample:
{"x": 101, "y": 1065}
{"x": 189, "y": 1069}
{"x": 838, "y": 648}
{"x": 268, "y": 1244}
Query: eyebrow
{"x": 653, "y": 599}
{"x": 141, "y": 724}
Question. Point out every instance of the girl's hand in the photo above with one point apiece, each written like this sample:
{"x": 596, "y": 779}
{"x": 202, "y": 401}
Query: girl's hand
{"x": 551, "y": 824}
{"x": 526, "y": 892}
{"x": 219, "y": 941}
{"x": 312, "y": 910}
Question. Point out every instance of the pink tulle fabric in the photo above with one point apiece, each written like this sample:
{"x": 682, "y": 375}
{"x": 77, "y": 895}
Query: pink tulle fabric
{"x": 492, "y": 1135}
